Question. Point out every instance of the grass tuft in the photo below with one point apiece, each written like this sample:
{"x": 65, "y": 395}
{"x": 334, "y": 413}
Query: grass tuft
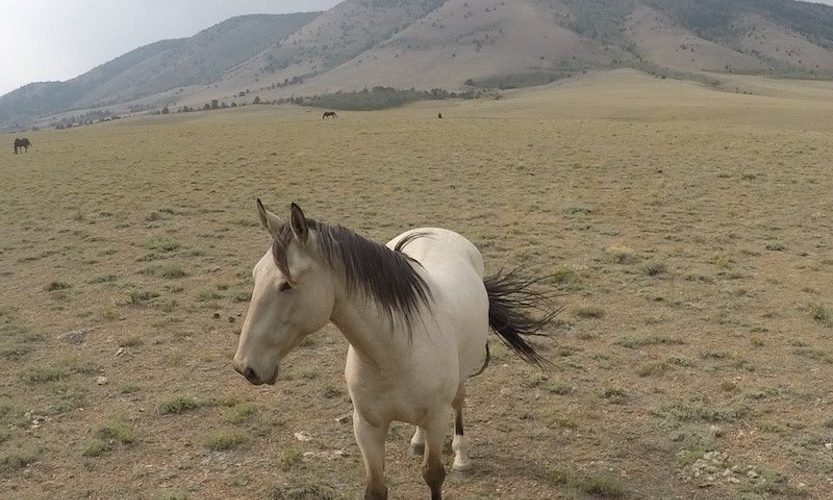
{"x": 179, "y": 404}
{"x": 241, "y": 413}
{"x": 94, "y": 448}
{"x": 117, "y": 430}
{"x": 18, "y": 459}
{"x": 161, "y": 244}
{"x": 654, "y": 268}
{"x": 291, "y": 456}
{"x": 821, "y": 313}
{"x": 42, "y": 374}
{"x": 224, "y": 440}
{"x": 600, "y": 486}
{"x": 140, "y": 297}
{"x": 168, "y": 271}
{"x": 589, "y": 312}
{"x": 53, "y": 286}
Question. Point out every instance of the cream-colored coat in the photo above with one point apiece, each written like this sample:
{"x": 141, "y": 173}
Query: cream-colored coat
{"x": 392, "y": 373}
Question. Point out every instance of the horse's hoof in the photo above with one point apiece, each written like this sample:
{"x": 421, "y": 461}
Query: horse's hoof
{"x": 417, "y": 449}
{"x": 462, "y": 466}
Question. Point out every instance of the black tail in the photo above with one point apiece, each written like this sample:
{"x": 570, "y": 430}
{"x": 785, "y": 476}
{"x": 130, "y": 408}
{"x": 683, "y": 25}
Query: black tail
{"x": 512, "y": 300}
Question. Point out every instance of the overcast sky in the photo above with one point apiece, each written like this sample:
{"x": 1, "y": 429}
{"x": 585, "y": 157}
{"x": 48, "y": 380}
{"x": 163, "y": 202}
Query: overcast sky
{"x": 43, "y": 40}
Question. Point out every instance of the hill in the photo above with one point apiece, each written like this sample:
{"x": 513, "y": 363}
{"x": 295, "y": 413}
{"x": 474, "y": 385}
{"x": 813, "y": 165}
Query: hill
{"x": 155, "y": 68}
{"x": 450, "y": 44}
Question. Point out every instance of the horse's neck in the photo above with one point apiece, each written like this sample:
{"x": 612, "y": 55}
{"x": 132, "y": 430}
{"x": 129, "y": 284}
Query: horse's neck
{"x": 366, "y": 327}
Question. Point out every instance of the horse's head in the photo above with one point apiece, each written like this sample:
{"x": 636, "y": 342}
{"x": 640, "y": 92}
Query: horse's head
{"x": 293, "y": 296}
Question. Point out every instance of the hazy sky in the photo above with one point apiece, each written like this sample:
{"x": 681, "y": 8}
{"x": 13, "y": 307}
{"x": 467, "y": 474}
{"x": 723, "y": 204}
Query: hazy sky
{"x": 44, "y": 40}
{"x": 60, "y": 39}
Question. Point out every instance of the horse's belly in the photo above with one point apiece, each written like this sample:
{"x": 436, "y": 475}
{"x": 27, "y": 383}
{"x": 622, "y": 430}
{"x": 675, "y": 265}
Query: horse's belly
{"x": 407, "y": 392}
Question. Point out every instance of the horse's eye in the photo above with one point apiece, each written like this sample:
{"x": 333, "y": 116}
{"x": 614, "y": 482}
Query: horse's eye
{"x": 284, "y": 286}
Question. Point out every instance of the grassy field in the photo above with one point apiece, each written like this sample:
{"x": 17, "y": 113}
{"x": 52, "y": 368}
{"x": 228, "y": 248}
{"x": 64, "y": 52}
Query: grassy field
{"x": 689, "y": 232}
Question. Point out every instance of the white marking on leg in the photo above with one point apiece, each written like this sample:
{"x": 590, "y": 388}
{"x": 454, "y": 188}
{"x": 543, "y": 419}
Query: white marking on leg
{"x": 418, "y": 442}
{"x": 460, "y": 446}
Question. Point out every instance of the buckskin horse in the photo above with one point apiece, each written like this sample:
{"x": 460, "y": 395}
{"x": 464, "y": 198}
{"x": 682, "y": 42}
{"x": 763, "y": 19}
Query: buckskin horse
{"x": 415, "y": 312}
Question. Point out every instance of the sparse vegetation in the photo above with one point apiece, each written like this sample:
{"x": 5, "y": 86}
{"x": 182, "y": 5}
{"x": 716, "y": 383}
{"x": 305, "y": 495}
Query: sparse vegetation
{"x": 224, "y": 440}
{"x": 291, "y": 457}
{"x": 19, "y": 459}
{"x": 821, "y": 314}
{"x": 602, "y": 486}
{"x": 719, "y": 355}
{"x": 589, "y": 312}
{"x": 179, "y": 404}
{"x": 383, "y": 98}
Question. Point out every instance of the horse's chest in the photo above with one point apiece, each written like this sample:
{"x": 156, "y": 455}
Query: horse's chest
{"x": 400, "y": 394}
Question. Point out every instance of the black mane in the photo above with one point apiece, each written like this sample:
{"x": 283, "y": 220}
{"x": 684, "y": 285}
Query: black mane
{"x": 386, "y": 276}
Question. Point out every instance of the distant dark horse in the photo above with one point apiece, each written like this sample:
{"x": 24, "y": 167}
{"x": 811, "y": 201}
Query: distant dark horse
{"x": 21, "y": 144}
{"x": 328, "y": 114}
{"x": 440, "y": 116}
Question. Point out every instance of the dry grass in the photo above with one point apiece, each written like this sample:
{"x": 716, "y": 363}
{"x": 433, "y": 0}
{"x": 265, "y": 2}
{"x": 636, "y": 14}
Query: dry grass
{"x": 689, "y": 232}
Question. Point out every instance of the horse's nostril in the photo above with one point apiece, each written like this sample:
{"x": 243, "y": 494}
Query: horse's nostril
{"x": 250, "y": 375}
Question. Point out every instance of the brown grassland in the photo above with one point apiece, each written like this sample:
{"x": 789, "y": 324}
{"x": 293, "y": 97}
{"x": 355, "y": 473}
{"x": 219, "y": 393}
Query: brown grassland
{"x": 689, "y": 232}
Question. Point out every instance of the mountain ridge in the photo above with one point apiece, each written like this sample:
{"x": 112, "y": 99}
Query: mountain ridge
{"x": 449, "y": 44}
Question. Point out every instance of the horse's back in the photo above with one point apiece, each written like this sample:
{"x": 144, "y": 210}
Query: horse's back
{"x": 436, "y": 248}
{"x": 454, "y": 269}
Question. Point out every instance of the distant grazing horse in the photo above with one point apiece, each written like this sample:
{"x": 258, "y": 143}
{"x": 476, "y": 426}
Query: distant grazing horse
{"x": 416, "y": 313}
{"x": 440, "y": 116}
{"x": 329, "y": 114}
{"x": 21, "y": 144}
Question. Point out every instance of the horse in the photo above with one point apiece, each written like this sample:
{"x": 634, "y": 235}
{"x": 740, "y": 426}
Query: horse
{"x": 329, "y": 114}
{"x": 440, "y": 116}
{"x": 21, "y": 144}
{"x": 416, "y": 313}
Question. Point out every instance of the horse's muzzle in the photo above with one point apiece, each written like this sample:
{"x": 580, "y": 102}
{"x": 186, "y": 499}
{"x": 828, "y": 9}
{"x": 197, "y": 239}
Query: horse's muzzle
{"x": 253, "y": 377}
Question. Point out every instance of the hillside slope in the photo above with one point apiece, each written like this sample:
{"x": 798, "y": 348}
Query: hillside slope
{"x": 450, "y": 44}
{"x": 155, "y": 68}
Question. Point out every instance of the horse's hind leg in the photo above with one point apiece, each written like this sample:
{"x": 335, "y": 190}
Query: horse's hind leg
{"x": 462, "y": 462}
{"x": 418, "y": 442}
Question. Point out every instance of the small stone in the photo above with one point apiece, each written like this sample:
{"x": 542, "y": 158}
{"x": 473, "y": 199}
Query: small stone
{"x": 727, "y": 472}
{"x": 121, "y": 352}
{"x": 715, "y": 431}
{"x": 302, "y": 436}
{"x": 102, "y": 380}
{"x": 733, "y": 480}
{"x": 216, "y": 315}
{"x": 343, "y": 419}
{"x": 752, "y": 474}
{"x": 75, "y": 337}
{"x": 829, "y": 446}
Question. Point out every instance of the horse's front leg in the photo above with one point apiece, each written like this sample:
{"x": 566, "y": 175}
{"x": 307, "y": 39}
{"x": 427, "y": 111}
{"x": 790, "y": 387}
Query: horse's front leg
{"x": 371, "y": 440}
{"x": 433, "y": 470}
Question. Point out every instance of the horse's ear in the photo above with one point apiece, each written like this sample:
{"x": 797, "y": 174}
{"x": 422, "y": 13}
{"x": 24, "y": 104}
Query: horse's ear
{"x": 298, "y": 223}
{"x": 268, "y": 220}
